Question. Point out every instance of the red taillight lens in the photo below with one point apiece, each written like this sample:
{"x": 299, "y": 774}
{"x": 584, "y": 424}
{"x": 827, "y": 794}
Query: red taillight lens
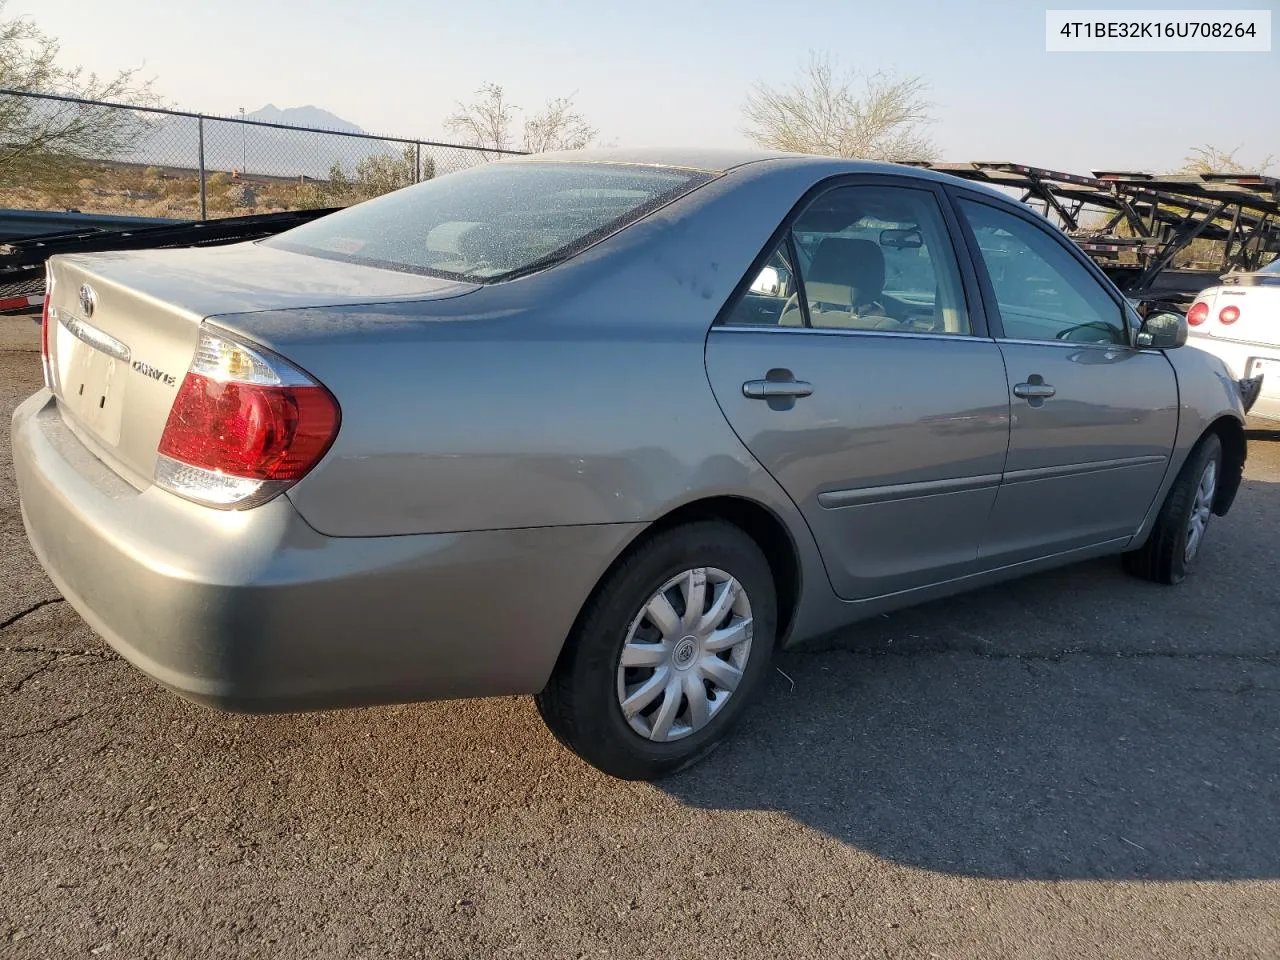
{"x": 1198, "y": 314}
{"x": 44, "y": 330}
{"x": 244, "y": 426}
{"x": 1229, "y": 314}
{"x": 247, "y": 430}
{"x": 45, "y": 319}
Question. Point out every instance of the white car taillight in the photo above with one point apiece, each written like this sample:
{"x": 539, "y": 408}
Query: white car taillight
{"x": 245, "y": 425}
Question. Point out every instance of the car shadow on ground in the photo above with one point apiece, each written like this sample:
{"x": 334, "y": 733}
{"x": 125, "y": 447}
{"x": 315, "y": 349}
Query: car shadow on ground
{"x": 1075, "y": 725}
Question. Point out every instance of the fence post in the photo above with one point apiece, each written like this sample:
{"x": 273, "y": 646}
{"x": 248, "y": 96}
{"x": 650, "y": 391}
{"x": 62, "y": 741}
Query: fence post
{"x": 417, "y": 162}
{"x": 204, "y": 210}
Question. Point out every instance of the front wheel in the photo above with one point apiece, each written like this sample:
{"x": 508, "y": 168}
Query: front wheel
{"x": 668, "y": 653}
{"x": 1180, "y": 528}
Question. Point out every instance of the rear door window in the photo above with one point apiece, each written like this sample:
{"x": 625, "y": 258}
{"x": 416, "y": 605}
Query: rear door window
{"x": 879, "y": 258}
{"x": 770, "y": 291}
{"x": 862, "y": 257}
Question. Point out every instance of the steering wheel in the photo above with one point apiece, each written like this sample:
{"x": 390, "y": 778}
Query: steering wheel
{"x": 1091, "y": 325}
{"x": 879, "y": 318}
{"x": 932, "y": 323}
{"x": 793, "y": 303}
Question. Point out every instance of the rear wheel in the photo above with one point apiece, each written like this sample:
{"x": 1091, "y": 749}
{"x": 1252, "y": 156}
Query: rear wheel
{"x": 668, "y": 653}
{"x": 1180, "y": 528}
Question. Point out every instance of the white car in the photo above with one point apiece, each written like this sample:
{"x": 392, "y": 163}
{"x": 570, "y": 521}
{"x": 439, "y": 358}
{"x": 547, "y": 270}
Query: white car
{"x": 1239, "y": 322}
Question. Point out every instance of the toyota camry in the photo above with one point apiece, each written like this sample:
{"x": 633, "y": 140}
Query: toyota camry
{"x": 607, "y": 428}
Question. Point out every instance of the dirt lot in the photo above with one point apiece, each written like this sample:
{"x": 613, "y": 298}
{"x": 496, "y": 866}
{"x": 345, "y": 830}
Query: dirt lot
{"x": 132, "y": 190}
{"x": 1076, "y": 765}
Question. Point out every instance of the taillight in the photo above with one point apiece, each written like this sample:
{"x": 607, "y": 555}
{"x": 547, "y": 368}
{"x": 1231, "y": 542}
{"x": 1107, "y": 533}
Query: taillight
{"x": 1198, "y": 313}
{"x": 245, "y": 426}
{"x": 46, "y": 316}
{"x": 1229, "y": 314}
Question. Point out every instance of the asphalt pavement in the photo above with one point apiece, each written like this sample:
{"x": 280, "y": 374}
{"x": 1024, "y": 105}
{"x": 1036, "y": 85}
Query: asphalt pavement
{"x": 1075, "y": 765}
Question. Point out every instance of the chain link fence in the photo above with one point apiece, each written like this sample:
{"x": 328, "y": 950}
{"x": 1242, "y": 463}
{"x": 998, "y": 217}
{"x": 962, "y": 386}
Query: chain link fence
{"x": 66, "y": 153}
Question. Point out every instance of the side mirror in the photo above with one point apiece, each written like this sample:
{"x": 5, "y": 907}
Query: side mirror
{"x": 1162, "y": 330}
{"x": 768, "y": 283}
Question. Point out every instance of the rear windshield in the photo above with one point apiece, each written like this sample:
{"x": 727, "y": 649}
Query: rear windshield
{"x": 491, "y": 221}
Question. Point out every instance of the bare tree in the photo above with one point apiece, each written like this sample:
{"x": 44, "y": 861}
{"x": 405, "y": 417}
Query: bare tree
{"x": 558, "y": 127}
{"x": 843, "y": 113}
{"x": 488, "y": 121}
{"x": 45, "y": 140}
{"x": 1210, "y": 159}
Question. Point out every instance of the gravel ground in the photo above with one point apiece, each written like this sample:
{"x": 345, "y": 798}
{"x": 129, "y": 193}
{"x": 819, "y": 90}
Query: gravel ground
{"x": 1075, "y": 765}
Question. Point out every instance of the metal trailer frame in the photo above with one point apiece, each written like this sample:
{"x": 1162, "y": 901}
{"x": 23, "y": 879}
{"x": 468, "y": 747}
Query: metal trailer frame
{"x": 1164, "y": 213}
{"x": 22, "y": 261}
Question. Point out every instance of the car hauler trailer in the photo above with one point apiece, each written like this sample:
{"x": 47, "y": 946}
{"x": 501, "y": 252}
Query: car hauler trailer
{"x": 1140, "y": 227}
{"x": 26, "y": 242}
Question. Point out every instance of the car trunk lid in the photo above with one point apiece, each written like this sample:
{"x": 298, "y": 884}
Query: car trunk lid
{"x": 124, "y": 328}
{"x": 1257, "y": 314}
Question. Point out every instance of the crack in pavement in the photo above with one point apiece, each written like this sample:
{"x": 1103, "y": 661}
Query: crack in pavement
{"x": 57, "y": 658}
{"x": 61, "y": 651}
{"x": 60, "y": 724}
{"x": 23, "y": 681}
{"x": 30, "y": 610}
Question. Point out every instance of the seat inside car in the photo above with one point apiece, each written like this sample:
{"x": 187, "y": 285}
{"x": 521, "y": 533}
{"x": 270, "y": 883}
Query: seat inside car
{"x": 843, "y": 285}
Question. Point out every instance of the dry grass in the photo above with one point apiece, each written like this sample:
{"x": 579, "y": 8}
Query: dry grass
{"x": 150, "y": 192}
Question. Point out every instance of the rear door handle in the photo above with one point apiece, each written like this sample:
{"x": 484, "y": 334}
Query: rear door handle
{"x": 1033, "y": 391}
{"x": 766, "y": 389}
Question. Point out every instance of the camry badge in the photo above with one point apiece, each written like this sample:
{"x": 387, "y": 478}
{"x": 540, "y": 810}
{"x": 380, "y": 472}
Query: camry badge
{"x": 147, "y": 370}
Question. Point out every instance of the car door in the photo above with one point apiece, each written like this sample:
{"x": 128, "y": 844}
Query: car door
{"x": 869, "y": 388}
{"x": 1093, "y": 419}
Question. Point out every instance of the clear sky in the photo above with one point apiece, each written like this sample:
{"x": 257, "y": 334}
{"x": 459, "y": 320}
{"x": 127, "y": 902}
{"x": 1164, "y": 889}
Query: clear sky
{"x": 657, "y": 72}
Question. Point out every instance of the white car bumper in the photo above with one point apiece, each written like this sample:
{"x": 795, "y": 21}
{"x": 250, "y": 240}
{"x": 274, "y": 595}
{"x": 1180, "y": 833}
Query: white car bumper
{"x": 1249, "y": 360}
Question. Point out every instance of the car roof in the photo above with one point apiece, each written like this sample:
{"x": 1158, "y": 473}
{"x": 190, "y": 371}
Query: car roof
{"x": 719, "y": 160}
{"x": 706, "y": 159}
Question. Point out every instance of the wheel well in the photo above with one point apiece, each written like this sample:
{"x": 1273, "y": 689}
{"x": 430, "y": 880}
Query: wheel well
{"x": 1234, "y": 450}
{"x": 763, "y": 526}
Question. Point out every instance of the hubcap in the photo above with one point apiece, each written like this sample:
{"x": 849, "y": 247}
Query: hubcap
{"x": 1201, "y": 509}
{"x": 684, "y": 654}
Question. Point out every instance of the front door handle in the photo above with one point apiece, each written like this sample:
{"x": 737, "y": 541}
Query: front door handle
{"x": 1036, "y": 389}
{"x": 768, "y": 389}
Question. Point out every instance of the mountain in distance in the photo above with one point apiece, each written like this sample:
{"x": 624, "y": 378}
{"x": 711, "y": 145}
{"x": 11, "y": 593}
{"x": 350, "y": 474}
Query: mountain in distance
{"x": 261, "y": 151}
{"x": 308, "y": 116}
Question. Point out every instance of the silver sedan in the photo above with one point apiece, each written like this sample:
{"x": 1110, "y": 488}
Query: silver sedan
{"x": 607, "y": 428}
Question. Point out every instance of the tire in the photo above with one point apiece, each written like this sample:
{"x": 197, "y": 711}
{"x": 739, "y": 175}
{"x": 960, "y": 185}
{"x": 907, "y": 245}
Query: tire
{"x": 582, "y": 702}
{"x": 1164, "y": 557}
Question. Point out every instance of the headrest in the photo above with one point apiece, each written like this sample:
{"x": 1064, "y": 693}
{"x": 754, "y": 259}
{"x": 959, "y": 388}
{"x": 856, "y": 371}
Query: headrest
{"x": 850, "y": 261}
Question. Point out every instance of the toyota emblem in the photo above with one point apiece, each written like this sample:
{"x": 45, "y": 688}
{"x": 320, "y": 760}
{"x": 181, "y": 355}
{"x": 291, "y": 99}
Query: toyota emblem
{"x": 87, "y": 301}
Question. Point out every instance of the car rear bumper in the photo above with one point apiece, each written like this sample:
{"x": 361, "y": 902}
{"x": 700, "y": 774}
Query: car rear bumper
{"x": 1267, "y": 406}
{"x": 255, "y": 611}
{"x": 1245, "y": 361}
